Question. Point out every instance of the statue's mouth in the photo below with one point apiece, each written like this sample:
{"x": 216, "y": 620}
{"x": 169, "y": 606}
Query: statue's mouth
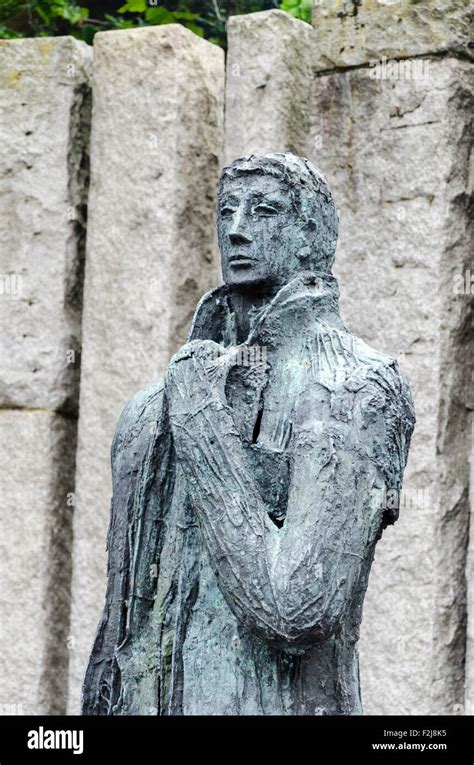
{"x": 241, "y": 261}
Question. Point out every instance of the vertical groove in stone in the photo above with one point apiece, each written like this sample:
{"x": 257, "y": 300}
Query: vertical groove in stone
{"x": 57, "y": 587}
{"x": 78, "y": 190}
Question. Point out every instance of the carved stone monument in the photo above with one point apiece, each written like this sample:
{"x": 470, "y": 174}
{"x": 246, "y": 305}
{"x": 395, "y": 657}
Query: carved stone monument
{"x": 251, "y": 486}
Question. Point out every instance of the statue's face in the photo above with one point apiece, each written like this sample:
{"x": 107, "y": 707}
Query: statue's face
{"x": 259, "y": 232}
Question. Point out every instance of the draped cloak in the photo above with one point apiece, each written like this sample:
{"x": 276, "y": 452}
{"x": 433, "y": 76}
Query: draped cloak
{"x": 326, "y": 430}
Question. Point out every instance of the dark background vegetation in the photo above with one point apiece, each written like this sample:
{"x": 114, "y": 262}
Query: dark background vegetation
{"x": 40, "y": 18}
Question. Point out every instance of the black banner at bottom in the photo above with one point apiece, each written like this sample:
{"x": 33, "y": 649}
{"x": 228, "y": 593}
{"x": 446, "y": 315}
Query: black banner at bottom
{"x": 101, "y": 739}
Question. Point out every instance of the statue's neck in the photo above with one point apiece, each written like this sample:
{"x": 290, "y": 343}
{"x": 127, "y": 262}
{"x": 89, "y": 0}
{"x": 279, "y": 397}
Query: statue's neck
{"x": 245, "y": 304}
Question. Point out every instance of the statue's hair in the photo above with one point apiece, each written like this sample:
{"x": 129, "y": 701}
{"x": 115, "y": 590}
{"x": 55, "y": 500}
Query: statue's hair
{"x": 310, "y": 191}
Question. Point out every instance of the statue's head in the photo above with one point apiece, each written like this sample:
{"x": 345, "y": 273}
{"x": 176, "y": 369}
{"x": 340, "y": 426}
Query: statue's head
{"x": 275, "y": 217}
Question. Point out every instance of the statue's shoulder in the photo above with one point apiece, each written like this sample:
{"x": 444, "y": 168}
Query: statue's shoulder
{"x": 372, "y": 368}
{"x": 141, "y": 416}
{"x": 370, "y": 360}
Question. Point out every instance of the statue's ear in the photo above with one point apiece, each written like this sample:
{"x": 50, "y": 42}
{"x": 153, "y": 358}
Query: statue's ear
{"x": 308, "y": 226}
{"x": 310, "y": 253}
{"x": 308, "y": 214}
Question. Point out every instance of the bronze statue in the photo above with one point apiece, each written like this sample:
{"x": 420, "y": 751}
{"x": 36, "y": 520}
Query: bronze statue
{"x": 248, "y": 488}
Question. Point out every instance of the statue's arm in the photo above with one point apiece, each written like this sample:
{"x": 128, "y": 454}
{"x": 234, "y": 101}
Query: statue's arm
{"x": 337, "y": 506}
{"x": 291, "y": 584}
{"x": 221, "y": 488}
{"x": 137, "y": 446}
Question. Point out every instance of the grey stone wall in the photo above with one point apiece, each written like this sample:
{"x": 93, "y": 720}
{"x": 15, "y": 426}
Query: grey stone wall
{"x": 386, "y": 117}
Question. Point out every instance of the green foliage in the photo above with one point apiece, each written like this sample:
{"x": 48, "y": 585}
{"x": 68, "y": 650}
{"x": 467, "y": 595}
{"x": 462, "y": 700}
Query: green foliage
{"x": 154, "y": 14}
{"x": 207, "y": 18}
{"x": 300, "y": 9}
{"x": 8, "y": 34}
{"x": 60, "y": 9}
{"x": 133, "y": 6}
{"x": 40, "y": 17}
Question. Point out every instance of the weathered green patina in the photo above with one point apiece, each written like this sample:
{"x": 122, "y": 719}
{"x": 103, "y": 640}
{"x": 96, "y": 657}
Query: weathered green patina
{"x": 248, "y": 488}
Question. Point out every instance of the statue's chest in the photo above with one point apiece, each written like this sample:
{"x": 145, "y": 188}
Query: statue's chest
{"x": 262, "y": 414}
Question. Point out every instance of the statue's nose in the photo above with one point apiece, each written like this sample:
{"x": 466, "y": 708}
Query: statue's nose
{"x": 239, "y": 237}
{"x": 239, "y": 233}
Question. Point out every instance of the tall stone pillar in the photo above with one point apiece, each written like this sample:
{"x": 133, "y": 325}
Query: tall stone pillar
{"x": 44, "y": 124}
{"x": 268, "y": 81}
{"x": 156, "y": 152}
{"x": 390, "y": 127}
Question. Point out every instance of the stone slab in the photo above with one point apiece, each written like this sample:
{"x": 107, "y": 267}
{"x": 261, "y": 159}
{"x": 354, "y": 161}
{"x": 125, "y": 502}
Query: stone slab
{"x": 355, "y": 32}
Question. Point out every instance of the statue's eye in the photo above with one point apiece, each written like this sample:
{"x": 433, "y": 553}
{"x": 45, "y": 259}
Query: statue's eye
{"x": 227, "y": 210}
{"x": 265, "y": 209}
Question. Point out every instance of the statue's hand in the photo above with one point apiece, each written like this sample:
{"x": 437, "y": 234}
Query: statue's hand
{"x": 196, "y": 377}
